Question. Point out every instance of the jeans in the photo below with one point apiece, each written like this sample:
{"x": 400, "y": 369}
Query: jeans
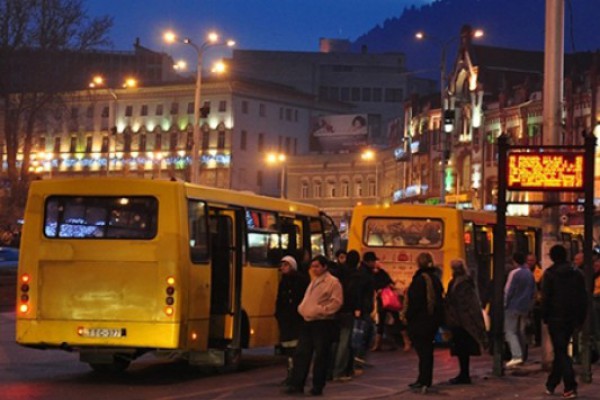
{"x": 343, "y": 355}
{"x": 562, "y": 366}
{"x": 315, "y": 337}
{"x": 514, "y": 332}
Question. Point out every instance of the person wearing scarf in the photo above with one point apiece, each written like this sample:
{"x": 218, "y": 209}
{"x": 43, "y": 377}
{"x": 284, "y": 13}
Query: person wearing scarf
{"x": 424, "y": 314}
{"x": 465, "y": 320}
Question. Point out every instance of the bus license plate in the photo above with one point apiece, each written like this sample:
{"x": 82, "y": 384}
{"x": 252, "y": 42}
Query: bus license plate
{"x": 102, "y": 332}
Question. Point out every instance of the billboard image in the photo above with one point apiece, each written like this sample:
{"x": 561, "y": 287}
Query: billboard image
{"x": 335, "y": 133}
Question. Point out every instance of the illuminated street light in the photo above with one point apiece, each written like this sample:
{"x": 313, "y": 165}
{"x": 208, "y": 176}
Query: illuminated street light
{"x": 180, "y": 65}
{"x": 212, "y": 39}
{"x": 446, "y": 115}
{"x": 371, "y": 156}
{"x": 130, "y": 83}
{"x": 274, "y": 159}
{"x": 97, "y": 80}
{"x": 219, "y": 67}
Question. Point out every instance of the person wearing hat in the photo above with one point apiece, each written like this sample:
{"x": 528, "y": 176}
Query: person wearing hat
{"x": 381, "y": 280}
{"x": 292, "y": 287}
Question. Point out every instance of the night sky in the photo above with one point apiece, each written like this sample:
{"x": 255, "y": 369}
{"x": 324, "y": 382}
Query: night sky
{"x": 254, "y": 24}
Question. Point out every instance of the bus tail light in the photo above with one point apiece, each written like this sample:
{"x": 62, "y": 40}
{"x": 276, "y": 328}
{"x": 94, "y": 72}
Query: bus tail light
{"x": 170, "y": 300}
{"x": 24, "y": 304}
{"x": 169, "y": 311}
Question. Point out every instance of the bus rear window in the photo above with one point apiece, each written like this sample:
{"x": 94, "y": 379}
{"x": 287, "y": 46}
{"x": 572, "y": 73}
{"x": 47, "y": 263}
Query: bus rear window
{"x": 403, "y": 232}
{"x": 106, "y": 217}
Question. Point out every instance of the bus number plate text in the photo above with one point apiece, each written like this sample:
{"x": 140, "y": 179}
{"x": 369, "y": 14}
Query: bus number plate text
{"x": 102, "y": 332}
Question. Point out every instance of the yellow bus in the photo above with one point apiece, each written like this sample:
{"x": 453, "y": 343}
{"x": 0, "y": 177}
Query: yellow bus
{"x": 115, "y": 268}
{"x": 399, "y": 232}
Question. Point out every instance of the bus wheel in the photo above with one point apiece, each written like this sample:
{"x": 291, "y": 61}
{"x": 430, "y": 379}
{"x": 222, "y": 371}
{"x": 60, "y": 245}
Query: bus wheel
{"x": 118, "y": 365}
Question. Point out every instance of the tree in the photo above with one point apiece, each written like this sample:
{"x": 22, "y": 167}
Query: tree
{"x": 35, "y": 35}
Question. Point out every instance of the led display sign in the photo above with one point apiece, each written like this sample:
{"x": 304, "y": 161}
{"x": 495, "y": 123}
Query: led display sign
{"x": 545, "y": 171}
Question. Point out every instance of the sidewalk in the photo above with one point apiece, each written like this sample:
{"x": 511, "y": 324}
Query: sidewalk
{"x": 391, "y": 373}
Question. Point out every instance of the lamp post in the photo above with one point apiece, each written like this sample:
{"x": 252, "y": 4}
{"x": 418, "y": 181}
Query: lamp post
{"x": 446, "y": 114}
{"x": 275, "y": 159}
{"x": 211, "y": 40}
{"x": 370, "y": 155}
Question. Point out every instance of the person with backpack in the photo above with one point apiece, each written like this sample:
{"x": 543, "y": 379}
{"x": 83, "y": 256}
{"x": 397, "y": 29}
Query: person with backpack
{"x": 564, "y": 306}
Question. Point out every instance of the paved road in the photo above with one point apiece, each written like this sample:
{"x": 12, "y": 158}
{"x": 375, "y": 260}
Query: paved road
{"x": 40, "y": 375}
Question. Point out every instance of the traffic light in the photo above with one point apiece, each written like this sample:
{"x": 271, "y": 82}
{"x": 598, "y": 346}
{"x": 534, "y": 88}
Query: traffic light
{"x": 448, "y": 121}
{"x": 204, "y": 111}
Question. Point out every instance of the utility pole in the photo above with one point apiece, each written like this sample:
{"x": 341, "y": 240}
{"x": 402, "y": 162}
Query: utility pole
{"x": 553, "y": 97}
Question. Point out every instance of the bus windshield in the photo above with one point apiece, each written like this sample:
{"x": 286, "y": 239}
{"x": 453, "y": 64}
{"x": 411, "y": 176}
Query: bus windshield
{"x": 93, "y": 217}
{"x": 403, "y": 232}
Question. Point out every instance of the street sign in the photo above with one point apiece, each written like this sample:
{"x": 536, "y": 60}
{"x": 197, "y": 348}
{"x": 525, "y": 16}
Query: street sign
{"x": 545, "y": 171}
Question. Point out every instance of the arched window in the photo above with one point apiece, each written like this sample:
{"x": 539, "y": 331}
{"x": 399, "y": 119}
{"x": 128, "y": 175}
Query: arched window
{"x": 358, "y": 188}
{"x": 317, "y": 189}
{"x": 304, "y": 190}
{"x": 331, "y": 188}
{"x": 345, "y": 188}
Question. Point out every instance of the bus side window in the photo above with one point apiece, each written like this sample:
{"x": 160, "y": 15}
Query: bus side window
{"x": 291, "y": 240}
{"x": 317, "y": 239}
{"x": 198, "y": 228}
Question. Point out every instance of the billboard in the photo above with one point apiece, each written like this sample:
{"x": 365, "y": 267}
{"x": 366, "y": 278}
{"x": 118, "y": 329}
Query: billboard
{"x": 339, "y": 133}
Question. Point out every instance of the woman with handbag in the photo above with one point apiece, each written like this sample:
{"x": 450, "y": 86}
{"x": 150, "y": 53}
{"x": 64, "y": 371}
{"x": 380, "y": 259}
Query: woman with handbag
{"x": 465, "y": 320}
{"x": 381, "y": 280}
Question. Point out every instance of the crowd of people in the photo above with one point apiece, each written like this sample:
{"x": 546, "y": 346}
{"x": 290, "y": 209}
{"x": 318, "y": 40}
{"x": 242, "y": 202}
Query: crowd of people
{"x": 336, "y": 312}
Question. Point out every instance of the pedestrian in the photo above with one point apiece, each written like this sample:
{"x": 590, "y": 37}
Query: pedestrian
{"x": 519, "y": 293}
{"x": 424, "y": 314}
{"x": 321, "y": 302}
{"x": 578, "y": 264}
{"x": 358, "y": 304}
{"x": 535, "y": 318}
{"x": 290, "y": 292}
{"x": 564, "y": 305}
{"x": 465, "y": 320}
{"x": 381, "y": 280}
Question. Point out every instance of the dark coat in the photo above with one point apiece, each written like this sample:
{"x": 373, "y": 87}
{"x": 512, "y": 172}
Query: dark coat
{"x": 420, "y": 322}
{"x": 358, "y": 292}
{"x": 463, "y": 312}
{"x": 289, "y": 296}
{"x": 564, "y": 298}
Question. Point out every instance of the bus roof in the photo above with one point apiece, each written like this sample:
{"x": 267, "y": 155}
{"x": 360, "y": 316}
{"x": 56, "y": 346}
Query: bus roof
{"x": 138, "y": 186}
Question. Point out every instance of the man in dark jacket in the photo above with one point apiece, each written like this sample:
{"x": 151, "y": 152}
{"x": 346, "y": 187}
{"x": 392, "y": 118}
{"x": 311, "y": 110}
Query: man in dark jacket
{"x": 291, "y": 290}
{"x": 564, "y": 305}
{"x": 424, "y": 313}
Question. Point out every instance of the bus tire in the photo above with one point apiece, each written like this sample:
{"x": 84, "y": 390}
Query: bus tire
{"x": 245, "y": 331}
{"x": 118, "y": 366}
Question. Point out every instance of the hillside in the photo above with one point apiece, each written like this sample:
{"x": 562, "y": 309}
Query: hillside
{"x": 507, "y": 23}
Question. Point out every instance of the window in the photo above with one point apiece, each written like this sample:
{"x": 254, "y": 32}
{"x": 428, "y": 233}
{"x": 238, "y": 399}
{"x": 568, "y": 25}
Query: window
{"x": 243, "y": 139}
{"x": 74, "y": 112}
{"x": 263, "y": 238}
{"x": 106, "y": 217}
{"x": 317, "y": 240}
{"x": 41, "y": 144}
{"x": 105, "y": 112}
{"x": 334, "y": 93}
{"x": 205, "y": 140}
{"x": 393, "y": 95}
{"x": 127, "y": 142}
{"x": 377, "y": 95}
{"x": 128, "y": 111}
{"x": 262, "y": 110}
{"x": 358, "y": 189}
{"x": 345, "y": 94}
{"x": 190, "y": 108}
{"x": 173, "y": 141}
{"x": 88, "y": 144}
{"x": 142, "y": 144}
{"x": 159, "y": 109}
{"x": 366, "y": 94}
{"x": 189, "y": 140}
{"x": 73, "y": 145}
{"x": 197, "y": 228}
{"x": 317, "y": 189}
{"x": 244, "y": 107}
{"x": 331, "y": 189}
{"x": 304, "y": 190}
{"x": 371, "y": 188}
{"x": 57, "y": 145}
{"x": 355, "y": 94}
{"x": 261, "y": 142}
{"x": 403, "y": 232}
{"x": 222, "y": 106}
{"x": 345, "y": 189}
{"x": 288, "y": 114}
{"x": 144, "y": 110}
{"x": 90, "y": 111}
{"x": 105, "y": 141}
{"x": 221, "y": 140}
{"x": 174, "y": 108}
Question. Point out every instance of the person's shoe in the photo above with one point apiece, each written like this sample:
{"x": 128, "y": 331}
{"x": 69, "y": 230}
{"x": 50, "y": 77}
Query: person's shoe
{"x": 316, "y": 392}
{"x": 416, "y": 385}
{"x": 549, "y": 390}
{"x": 514, "y": 362}
{"x": 376, "y": 343}
{"x": 459, "y": 380}
{"x": 294, "y": 390}
{"x": 570, "y": 394}
{"x": 343, "y": 378}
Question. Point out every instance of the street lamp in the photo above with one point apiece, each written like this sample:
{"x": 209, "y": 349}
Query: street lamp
{"x": 274, "y": 159}
{"x": 212, "y": 39}
{"x": 370, "y": 156}
{"x": 446, "y": 114}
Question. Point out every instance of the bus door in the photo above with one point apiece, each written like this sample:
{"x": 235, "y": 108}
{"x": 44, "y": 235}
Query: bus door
{"x": 226, "y": 276}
